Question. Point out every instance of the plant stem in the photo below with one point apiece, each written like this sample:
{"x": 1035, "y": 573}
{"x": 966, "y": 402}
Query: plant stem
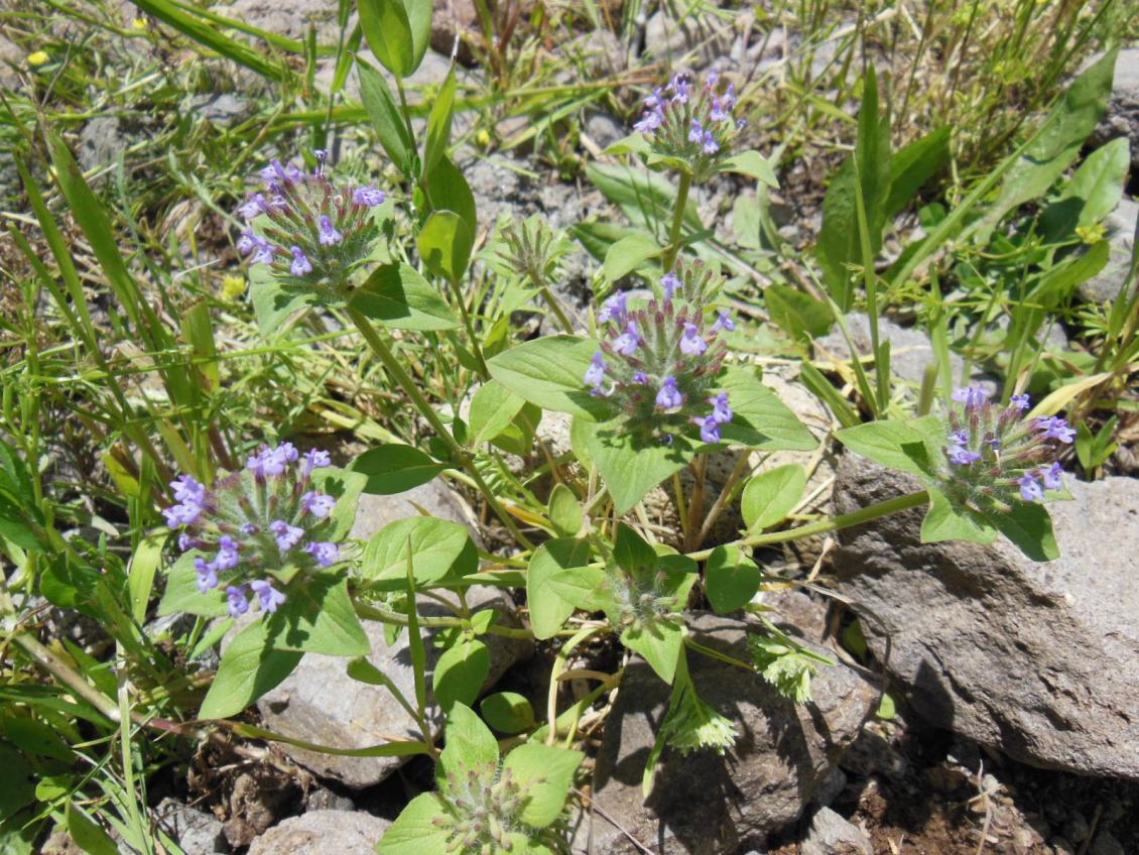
{"x": 673, "y": 248}
{"x": 371, "y": 611}
{"x": 468, "y": 324}
{"x": 555, "y": 307}
{"x": 379, "y": 347}
{"x": 862, "y": 515}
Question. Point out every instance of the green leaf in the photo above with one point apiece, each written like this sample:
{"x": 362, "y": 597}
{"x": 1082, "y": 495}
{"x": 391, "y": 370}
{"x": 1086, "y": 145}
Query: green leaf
{"x": 627, "y": 254}
{"x": 631, "y": 469}
{"x": 761, "y": 420}
{"x": 345, "y": 487}
{"x": 1099, "y": 181}
{"x": 565, "y": 511}
{"x": 905, "y": 446}
{"x": 435, "y": 546}
{"x": 398, "y": 297}
{"x": 389, "y": 35}
{"x": 771, "y": 495}
{"x": 87, "y": 834}
{"x": 631, "y": 552}
{"x": 386, "y": 117}
{"x": 182, "y": 596}
{"x": 317, "y": 617}
{"x": 1056, "y": 145}
{"x": 460, "y": 673}
{"x": 800, "y": 314}
{"x": 1061, "y": 281}
{"x": 661, "y": 643}
{"x": 439, "y": 125}
{"x": 585, "y": 588}
{"x": 470, "y": 747}
{"x": 508, "y": 712}
{"x": 493, "y": 409}
{"x": 19, "y": 787}
{"x": 752, "y": 164}
{"x": 945, "y": 521}
{"x": 550, "y": 372}
{"x": 548, "y": 610}
{"x": 273, "y": 304}
{"x": 545, "y": 774}
{"x": 395, "y": 468}
{"x": 249, "y": 668}
{"x": 913, "y": 166}
{"x": 731, "y": 579}
{"x": 423, "y": 826}
{"x": 445, "y": 244}
{"x": 1029, "y": 526}
{"x": 447, "y": 190}
{"x": 419, "y": 20}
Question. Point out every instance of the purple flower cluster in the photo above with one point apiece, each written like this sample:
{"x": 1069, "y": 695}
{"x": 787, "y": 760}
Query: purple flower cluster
{"x": 997, "y": 455}
{"x": 266, "y": 518}
{"x": 693, "y": 128}
{"x": 309, "y": 231}
{"x": 659, "y": 364}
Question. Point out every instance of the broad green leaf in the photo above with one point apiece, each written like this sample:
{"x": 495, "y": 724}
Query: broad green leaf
{"x": 660, "y": 643}
{"x": 565, "y": 511}
{"x": 249, "y": 668}
{"x": 1029, "y": 526}
{"x": 447, "y": 190}
{"x": 395, "y": 468}
{"x": 752, "y": 164}
{"x": 182, "y": 596}
{"x": 88, "y": 835}
{"x": 445, "y": 244}
{"x": 386, "y": 117}
{"x": 470, "y": 747}
{"x": 630, "y": 550}
{"x": 545, "y": 774}
{"x": 423, "y": 826}
{"x": 345, "y": 487}
{"x": 771, "y": 495}
{"x": 439, "y": 124}
{"x": 317, "y": 617}
{"x": 388, "y": 32}
{"x": 508, "y": 712}
{"x": 460, "y": 673}
{"x": 906, "y": 446}
{"x": 548, "y": 610}
{"x": 585, "y": 588}
{"x": 435, "y": 546}
{"x": 1099, "y": 181}
{"x": 419, "y": 20}
{"x": 761, "y": 420}
{"x": 398, "y": 297}
{"x": 944, "y": 521}
{"x": 273, "y": 305}
{"x": 493, "y": 409}
{"x": 731, "y": 579}
{"x": 913, "y": 166}
{"x": 800, "y": 314}
{"x": 550, "y": 372}
{"x": 627, "y": 254}
{"x": 630, "y": 469}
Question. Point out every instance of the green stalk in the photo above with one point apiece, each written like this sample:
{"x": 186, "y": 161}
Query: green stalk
{"x": 673, "y": 248}
{"x": 380, "y": 348}
{"x": 468, "y": 324}
{"x": 862, "y": 515}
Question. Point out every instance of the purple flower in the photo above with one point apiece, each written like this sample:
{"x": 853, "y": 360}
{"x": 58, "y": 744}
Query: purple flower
{"x": 669, "y": 397}
{"x": 272, "y": 462}
{"x": 721, "y": 410}
{"x": 730, "y": 97}
{"x": 709, "y": 429}
{"x": 288, "y": 536}
{"x": 326, "y": 554}
{"x": 227, "y": 557}
{"x": 1053, "y": 477}
{"x": 669, "y": 283}
{"x": 681, "y": 88}
{"x": 595, "y": 374}
{"x": 641, "y": 378}
{"x": 959, "y": 456}
{"x": 368, "y": 196}
{"x": 741, "y": 124}
{"x": 614, "y": 309}
{"x": 238, "y": 604}
{"x": 710, "y": 146}
{"x": 320, "y": 505}
{"x": 959, "y": 437}
{"x": 1030, "y": 489}
{"x": 973, "y": 397}
{"x": 626, "y": 344}
{"x": 329, "y": 236}
{"x": 186, "y": 542}
{"x": 1019, "y": 402}
{"x": 301, "y": 265}
{"x": 724, "y": 322}
{"x": 650, "y": 121}
{"x": 692, "y": 343}
{"x": 696, "y": 133}
{"x": 1056, "y": 427}
{"x": 655, "y": 100}
{"x": 270, "y": 597}
{"x": 207, "y": 575}
{"x": 189, "y": 489}
{"x": 183, "y": 514}
{"x": 246, "y": 242}
{"x": 265, "y": 252}
{"x": 316, "y": 459}
{"x": 718, "y": 113}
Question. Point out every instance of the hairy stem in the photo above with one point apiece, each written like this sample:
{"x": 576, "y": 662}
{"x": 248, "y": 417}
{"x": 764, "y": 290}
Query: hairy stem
{"x": 673, "y": 248}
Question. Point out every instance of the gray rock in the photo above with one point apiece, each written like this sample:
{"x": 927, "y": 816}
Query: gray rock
{"x": 603, "y": 129}
{"x": 197, "y": 832}
{"x": 1122, "y": 117}
{"x": 1039, "y": 661}
{"x": 323, "y": 832}
{"x": 101, "y": 142}
{"x": 704, "y": 803}
{"x": 830, "y": 787}
{"x": 1106, "y": 843}
{"x": 221, "y": 109}
{"x": 322, "y": 798}
{"x": 434, "y": 498}
{"x": 291, "y": 18}
{"x": 830, "y": 834}
{"x": 664, "y": 37}
{"x": 1108, "y": 283}
{"x": 455, "y": 28}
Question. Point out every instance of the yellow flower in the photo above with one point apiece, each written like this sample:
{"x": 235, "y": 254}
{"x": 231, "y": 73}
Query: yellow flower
{"x": 232, "y": 287}
{"x": 38, "y": 58}
{"x": 1091, "y": 235}
{"x": 138, "y": 24}
{"x": 482, "y": 138}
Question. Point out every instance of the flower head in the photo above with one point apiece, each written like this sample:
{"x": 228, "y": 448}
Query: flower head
{"x": 269, "y": 596}
{"x": 670, "y": 397}
{"x": 238, "y": 600}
